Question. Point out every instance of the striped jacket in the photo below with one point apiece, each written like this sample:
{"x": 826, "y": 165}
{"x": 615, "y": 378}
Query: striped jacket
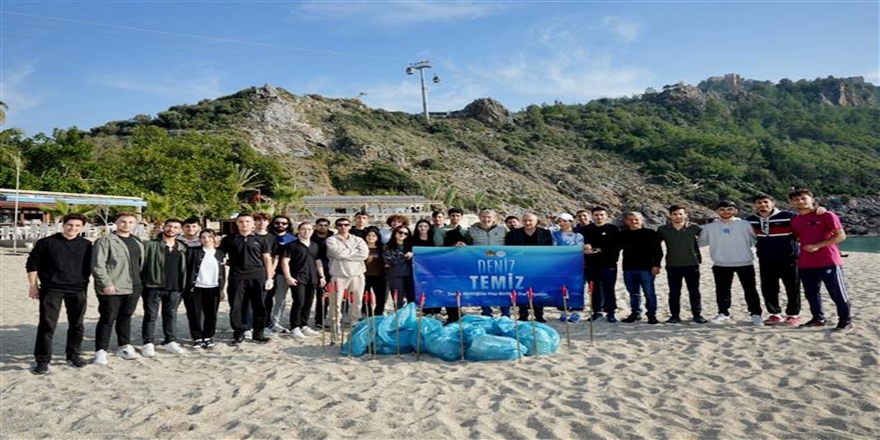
{"x": 776, "y": 240}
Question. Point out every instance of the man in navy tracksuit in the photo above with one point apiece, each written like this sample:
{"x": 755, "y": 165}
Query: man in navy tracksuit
{"x": 777, "y": 256}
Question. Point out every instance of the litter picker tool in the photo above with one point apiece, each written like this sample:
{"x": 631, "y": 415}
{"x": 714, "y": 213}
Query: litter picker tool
{"x": 419, "y": 329}
{"x": 515, "y": 313}
{"x": 565, "y": 307}
{"x": 592, "y": 312}
{"x": 371, "y": 348}
{"x": 532, "y": 318}
{"x": 460, "y": 326}
{"x": 350, "y": 324}
{"x": 396, "y": 322}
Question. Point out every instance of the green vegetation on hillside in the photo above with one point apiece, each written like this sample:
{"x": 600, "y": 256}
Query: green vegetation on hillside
{"x": 718, "y": 139}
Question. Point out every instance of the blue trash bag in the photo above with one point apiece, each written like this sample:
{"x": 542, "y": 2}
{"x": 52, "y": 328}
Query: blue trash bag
{"x": 486, "y": 322}
{"x": 503, "y": 326}
{"x": 403, "y": 319}
{"x": 357, "y": 341}
{"x": 429, "y": 325}
{"x": 494, "y": 348}
{"x": 444, "y": 343}
{"x": 547, "y": 337}
{"x": 472, "y": 332}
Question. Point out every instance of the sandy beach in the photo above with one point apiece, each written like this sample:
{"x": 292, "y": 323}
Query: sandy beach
{"x": 684, "y": 381}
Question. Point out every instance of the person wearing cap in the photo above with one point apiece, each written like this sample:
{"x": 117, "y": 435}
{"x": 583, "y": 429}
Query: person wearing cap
{"x": 530, "y": 234}
{"x": 567, "y": 236}
{"x": 730, "y": 240}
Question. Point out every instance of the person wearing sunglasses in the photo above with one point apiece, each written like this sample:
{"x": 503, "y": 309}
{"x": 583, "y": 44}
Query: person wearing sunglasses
{"x": 347, "y": 253}
{"x": 398, "y": 265}
{"x": 282, "y": 231}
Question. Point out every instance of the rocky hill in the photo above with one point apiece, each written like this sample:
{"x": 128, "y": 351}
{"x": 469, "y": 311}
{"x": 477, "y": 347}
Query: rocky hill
{"x": 725, "y": 138}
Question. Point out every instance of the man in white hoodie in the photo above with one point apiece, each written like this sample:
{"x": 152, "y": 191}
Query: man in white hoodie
{"x": 730, "y": 240}
{"x": 347, "y": 253}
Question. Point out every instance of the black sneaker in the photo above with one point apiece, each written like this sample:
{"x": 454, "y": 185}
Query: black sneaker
{"x": 260, "y": 339}
{"x": 673, "y": 320}
{"x": 74, "y": 360}
{"x": 844, "y": 327}
{"x": 631, "y": 318}
{"x": 652, "y": 320}
{"x": 208, "y": 344}
{"x": 197, "y": 344}
{"x": 237, "y": 340}
{"x": 610, "y": 318}
{"x": 41, "y": 368}
{"x": 815, "y": 322}
{"x": 700, "y": 320}
{"x": 596, "y": 316}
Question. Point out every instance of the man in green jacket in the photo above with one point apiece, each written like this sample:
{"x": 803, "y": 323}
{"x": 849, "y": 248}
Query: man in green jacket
{"x": 117, "y": 260}
{"x": 164, "y": 276}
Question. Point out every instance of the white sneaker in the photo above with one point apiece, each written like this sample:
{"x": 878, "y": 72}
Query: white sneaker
{"x": 309, "y": 332}
{"x": 277, "y": 329}
{"x": 174, "y": 347}
{"x": 756, "y": 320}
{"x": 249, "y": 335}
{"x": 720, "y": 318}
{"x": 127, "y": 352}
{"x": 100, "y": 357}
{"x": 297, "y": 334}
{"x": 148, "y": 350}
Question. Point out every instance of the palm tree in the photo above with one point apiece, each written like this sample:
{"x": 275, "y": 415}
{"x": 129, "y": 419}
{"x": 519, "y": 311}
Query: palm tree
{"x": 63, "y": 208}
{"x": 244, "y": 179}
{"x": 3, "y": 108}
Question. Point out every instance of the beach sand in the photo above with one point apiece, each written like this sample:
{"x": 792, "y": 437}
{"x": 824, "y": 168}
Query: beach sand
{"x": 682, "y": 381}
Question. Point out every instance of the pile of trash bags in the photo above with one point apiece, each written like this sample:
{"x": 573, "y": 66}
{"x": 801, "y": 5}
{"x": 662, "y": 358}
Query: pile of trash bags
{"x": 485, "y": 338}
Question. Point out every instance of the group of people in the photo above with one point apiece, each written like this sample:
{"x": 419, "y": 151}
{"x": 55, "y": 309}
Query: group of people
{"x": 266, "y": 258}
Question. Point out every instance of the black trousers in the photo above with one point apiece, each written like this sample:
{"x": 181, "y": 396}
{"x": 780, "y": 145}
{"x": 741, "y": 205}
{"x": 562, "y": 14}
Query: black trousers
{"x": 202, "y": 306}
{"x": 50, "y": 308}
{"x": 691, "y": 277}
{"x": 405, "y": 289}
{"x": 772, "y": 272}
{"x": 303, "y": 297}
{"x": 377, "y": 283}
{"x": 115, "y": 309}
{"x": 156, "y": 300}
{"x": 724, "y": 281}
{"x": 247, "y": 291}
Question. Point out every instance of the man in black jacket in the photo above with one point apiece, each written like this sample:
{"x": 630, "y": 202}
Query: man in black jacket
{"x": 603, "y": 250}
{"x": 642, "y": 254}
{"x": 529, "y": 235}
{"x": 58, "y": 270}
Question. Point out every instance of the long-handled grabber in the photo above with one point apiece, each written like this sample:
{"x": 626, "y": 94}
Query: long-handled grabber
{"x": 515, "y": 313}
{"x": 532, "y": 318}
{"x": 565, "y": 307}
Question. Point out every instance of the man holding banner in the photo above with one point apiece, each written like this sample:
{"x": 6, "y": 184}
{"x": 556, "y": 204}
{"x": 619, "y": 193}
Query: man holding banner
{"x": 530, "y": 235}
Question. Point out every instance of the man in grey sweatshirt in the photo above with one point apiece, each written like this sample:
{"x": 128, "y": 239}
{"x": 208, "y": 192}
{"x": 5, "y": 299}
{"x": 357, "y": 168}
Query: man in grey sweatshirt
{"x": 730, "y": 240}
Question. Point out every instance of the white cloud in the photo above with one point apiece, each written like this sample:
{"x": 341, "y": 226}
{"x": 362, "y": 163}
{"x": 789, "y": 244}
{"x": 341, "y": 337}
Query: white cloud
{"x": 186, "y": 83}
{"x": 14, "y": 88}
{"x": 873, "y": 77}
{"x": 622, "y": 28}
{"x": 396, "y": 13}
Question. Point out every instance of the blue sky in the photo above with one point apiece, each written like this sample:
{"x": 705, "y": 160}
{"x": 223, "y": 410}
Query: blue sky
{"x": 84, "y": 63}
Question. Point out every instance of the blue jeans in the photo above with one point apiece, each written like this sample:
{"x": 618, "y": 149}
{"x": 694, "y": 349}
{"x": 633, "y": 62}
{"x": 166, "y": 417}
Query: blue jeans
{"x": 644, "y": 279}
{"x": 169, "y": 299}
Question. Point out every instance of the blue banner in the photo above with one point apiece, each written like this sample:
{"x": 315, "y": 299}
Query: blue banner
{"x": 486, "y": 275}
